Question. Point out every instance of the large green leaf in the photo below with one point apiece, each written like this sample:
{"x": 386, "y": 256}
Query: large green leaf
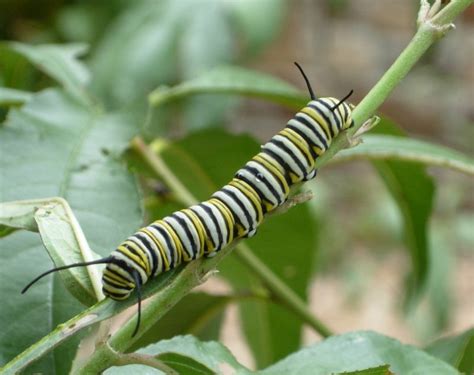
{"x": 188, "y": 355}
{"x": 456, "y": 350}
{"x": 57, "y": 146}
{"x": 413, "y": 191}
{"x": 386, "y": 147}
{"x": 207, "y": 160}
{"x": 358, "y": 351}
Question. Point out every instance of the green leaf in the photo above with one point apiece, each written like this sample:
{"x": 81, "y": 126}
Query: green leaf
{"x": 457, "y": 350}
{"x": 413, "y": 191}
{"x": 9, "y": 97}
{"x": 59, "y": 62}
{"x": 60, "y": 237}
{"x": 271, "y": 330}
{"x": 188, "y": 355}
{"x": 199, "y": 314}
{"x": 59, "y": 232}
{"x": 357, "y": 351}
{"x": 56, "y": 146}
{"x": 20, "y": 214}
{"x": 387, "y": 147}
{"x": 232, "y": 80}
{"x": 434, "y": 314}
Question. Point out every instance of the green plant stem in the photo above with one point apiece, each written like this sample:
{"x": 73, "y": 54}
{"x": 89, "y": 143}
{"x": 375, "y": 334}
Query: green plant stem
{"x": 451, "y": 11}
{"x": 160, "y": 167}
{"x": 428, "y": 32}
{"x": 276, "y": 286}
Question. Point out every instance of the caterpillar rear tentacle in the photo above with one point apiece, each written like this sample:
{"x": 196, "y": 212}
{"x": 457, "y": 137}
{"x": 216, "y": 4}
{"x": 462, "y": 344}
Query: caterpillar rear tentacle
{"x": 233, "y": 212}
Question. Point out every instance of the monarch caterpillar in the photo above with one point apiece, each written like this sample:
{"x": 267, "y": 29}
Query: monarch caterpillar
{"x": 233, "y": 212}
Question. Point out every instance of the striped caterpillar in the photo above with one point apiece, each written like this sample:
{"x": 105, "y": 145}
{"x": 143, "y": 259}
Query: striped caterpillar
{"x": 233, "y": 212}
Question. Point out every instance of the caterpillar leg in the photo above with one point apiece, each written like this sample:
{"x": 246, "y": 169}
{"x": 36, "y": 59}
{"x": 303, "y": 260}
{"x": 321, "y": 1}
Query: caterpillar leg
{"x": 251, "y": 233}
{"x": 311, "y": 175}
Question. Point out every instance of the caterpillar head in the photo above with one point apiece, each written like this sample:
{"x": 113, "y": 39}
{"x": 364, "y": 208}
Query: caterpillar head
{"x": 340, "y": 109}
{"x": 118, "y": 279}
{"x": 110, "y": 280}
{"x": 337, "y": 107}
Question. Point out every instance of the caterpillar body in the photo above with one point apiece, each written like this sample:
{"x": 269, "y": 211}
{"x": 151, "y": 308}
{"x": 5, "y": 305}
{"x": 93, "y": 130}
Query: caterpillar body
{"x": 233, "y": 212}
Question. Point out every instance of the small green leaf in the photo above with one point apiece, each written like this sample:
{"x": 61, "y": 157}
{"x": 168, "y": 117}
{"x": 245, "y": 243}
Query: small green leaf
{"x": 213, "y": 355}
{"x": 50, "y": 217}
{"x": 183, "y": 364}
{"x": 357, "y": 351}
{"x": 59, "y": 62}
{"x": 9, "y": 97}
{"x": 20, "y": 214}
{"x": 456, "y": 350}
{"x": 388, "y": 147}
{"x": 60, "y": 239}
{"x": 199, "y": 314}
{"x": 232, "y": 80}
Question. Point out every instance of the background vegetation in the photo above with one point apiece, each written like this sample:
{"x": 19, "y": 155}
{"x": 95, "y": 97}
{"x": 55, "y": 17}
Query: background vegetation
{"x": 386, "y": 243}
